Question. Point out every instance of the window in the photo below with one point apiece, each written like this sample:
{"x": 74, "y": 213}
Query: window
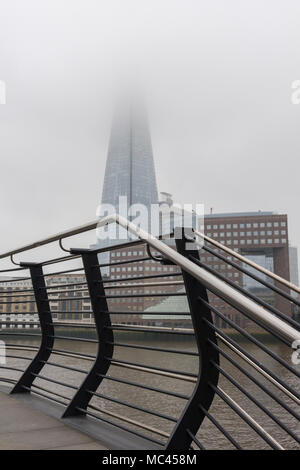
{"x": 262, "y": 233}
{"x": 242, "y": 242}
{"x": 283, "y": 224}
{"x": 255, "y": 241}
{"x": 235, "y": 226}
{"x": 270, "y": 240}
{"x": 275, "y": 224}
{"x": 276, "y": 232}
{"x": 283, "y": 240}
{"x": 255, "y": 225}
{"x": 249, "y": 242}
{"x": 242, "y": 234}
{"x": 263, "y": 241}
{"x": 248, "y": 225}
{"x": 222, "y": 234}
{"x": 208, "y": 227}
{"x": 228, "y": 225}
{"x": 262, "y": 224}
{"x": 283, "y": 232}
{"x": 269, "y": 224}
{"x": 276, "y": 240}
{"x": 235, "y": 234}
{"x": 255, "y": 233}
{"x": 235, "y": 242}
{"x": 222, "y": 226}
{"x": 249, "y": 234}
{"x": 228, "y": 242}
{"x": 269, "y": 232}
{"x": 242, "y": 225}
{"x": 215, "y": 226}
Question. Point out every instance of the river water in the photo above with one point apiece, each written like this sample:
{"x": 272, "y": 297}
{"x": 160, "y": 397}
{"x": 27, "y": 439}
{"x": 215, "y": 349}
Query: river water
{"x": 209, "y": 436}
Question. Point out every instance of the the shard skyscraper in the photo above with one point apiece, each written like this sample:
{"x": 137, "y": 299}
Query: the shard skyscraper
{"x": 130, "y": 167}
{"x": 129, "y": 175}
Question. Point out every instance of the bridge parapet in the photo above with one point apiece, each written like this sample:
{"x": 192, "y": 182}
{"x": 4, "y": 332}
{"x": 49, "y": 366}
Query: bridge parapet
{"x": 98, "y": 380}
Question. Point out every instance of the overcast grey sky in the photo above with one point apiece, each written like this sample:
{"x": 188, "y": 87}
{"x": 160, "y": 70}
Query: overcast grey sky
{"x": 217, "y": 78}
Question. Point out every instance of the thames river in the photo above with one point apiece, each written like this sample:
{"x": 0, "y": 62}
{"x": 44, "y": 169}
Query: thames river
{"x": 209, "y": 436}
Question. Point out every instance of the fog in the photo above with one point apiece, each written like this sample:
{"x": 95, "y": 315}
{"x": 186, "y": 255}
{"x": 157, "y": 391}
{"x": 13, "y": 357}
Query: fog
{"x": 217, "y": 80}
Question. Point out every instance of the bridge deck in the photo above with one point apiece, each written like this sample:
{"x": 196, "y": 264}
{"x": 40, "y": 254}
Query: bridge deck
{"x": 23, "y": 427}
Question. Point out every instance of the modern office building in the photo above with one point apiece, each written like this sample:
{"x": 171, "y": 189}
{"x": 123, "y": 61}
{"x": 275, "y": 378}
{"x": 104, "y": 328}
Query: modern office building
{"x": 261, "y": 237}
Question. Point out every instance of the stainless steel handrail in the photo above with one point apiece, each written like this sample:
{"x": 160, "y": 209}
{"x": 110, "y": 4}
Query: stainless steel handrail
{"x": 210, "y": 281}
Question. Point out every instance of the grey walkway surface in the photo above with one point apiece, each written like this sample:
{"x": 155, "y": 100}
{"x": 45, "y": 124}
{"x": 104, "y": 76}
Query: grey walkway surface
{"x": 23, "y": 427}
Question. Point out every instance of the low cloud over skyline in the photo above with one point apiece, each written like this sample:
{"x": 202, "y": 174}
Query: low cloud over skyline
{"x": 217, "y": 79}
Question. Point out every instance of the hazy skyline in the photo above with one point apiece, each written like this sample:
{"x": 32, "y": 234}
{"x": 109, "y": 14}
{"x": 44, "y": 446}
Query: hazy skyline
{"x": 217, "y": 79}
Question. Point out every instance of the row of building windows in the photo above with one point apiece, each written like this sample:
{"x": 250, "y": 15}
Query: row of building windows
{"x": 255, "y": 241}
{"x": 248, "y": 225}
{"x": 126, "y": 253}
{"x": 147, "y": 268}
{"x": 248, "y": 233}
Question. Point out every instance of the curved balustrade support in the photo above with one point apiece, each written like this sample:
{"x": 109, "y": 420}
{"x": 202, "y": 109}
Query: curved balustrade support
{"x": 203, "y": 394}
{"x": 47, "y": 331}
{"x": 105, "y": 338}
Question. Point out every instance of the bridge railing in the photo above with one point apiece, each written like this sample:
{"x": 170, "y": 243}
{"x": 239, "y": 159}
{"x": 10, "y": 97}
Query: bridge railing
{"x": 227, "y": 378}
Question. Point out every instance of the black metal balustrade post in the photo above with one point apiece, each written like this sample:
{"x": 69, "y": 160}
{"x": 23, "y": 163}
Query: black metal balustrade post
{"x": 101, "y": 365}
{"x": 47, "y": 330}
{"x": 192, "y": 416}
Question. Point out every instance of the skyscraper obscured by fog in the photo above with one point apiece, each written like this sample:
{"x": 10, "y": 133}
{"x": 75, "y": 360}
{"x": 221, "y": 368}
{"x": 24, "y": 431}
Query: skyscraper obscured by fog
{"x": 130, "y": 167}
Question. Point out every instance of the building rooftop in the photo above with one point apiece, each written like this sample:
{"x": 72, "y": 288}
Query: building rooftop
{"x": 239, "y": 214}
{"x": 169, "y": 305}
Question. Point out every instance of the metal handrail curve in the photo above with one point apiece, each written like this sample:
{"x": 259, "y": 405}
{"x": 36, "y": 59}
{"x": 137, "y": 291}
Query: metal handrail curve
{"x": 210, "y": 281}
